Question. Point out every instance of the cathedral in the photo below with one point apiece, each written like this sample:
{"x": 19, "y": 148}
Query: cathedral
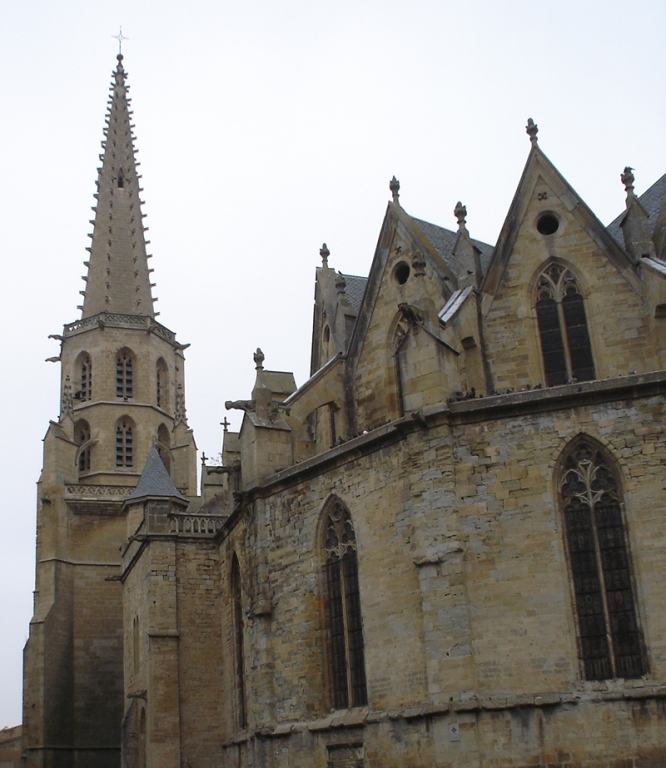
{"x": 443, "y": 549}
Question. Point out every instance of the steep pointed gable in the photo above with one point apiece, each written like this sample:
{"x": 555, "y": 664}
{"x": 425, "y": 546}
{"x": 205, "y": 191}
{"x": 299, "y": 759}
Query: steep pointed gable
{"x": 118, "y": 278}
{"x": 539, "y": 169}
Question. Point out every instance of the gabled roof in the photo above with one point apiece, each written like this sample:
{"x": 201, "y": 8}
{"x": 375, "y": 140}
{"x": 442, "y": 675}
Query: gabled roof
{"x": 651, "y": 200}
{"x": 155, "y": 480}
{"x": 538, "y": 165}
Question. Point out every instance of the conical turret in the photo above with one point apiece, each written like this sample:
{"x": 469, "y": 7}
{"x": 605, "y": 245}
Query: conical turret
{"x": 118, "y": 277}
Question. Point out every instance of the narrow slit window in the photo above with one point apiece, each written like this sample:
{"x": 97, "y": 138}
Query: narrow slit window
{"x": 238, "y": 635}
{"x": 343, "y": 610}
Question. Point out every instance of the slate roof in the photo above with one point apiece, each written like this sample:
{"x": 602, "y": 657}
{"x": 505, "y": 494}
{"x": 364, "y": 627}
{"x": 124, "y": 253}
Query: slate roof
{"x": 155, "y": 480}
{"x": 445, "y": 239}
{"x": 651, "y": 200}
{"x": 354, "y": 289}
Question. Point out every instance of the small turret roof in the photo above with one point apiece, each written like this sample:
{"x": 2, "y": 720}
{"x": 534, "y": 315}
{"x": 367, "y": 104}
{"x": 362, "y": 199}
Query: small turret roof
{"x": 118, "y": 277}
{"x": 155, "y": 480}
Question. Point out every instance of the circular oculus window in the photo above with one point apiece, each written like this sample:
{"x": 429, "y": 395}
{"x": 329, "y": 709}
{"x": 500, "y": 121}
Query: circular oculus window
{"x": 548, "y": 224}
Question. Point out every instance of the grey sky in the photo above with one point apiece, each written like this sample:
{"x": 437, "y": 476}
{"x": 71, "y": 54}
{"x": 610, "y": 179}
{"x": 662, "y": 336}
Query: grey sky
{"x": 265, "y": 128}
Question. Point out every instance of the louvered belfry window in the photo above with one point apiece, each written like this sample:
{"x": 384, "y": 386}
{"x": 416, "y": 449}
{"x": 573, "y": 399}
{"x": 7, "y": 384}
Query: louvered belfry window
{"x": 124, "y": 444}
{"x": 610, "y": 640}
{"x": 343, "y": 607}
{"x": 85, "y": 391}
{"x": 565, "y": 341}
{"x": 124, "y": 375}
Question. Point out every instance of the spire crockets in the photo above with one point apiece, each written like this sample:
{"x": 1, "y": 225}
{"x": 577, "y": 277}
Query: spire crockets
{"x": 118, "y": 278}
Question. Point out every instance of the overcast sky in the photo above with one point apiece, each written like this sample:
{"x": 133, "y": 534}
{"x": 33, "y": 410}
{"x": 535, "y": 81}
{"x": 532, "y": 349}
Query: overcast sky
{"x": 264, "y": 128}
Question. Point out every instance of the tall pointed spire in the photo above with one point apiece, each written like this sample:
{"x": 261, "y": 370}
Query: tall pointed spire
{"x": 118, "y": 278}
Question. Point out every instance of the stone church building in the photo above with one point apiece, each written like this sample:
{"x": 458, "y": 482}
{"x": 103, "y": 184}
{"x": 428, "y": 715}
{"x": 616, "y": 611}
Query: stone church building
{"x": 445, "y": 548}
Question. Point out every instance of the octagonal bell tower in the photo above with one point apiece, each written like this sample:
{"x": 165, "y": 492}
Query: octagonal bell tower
{"x": 122, "y": 392}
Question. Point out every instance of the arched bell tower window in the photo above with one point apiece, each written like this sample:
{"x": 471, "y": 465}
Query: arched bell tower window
{"x": 164, "y": 445}
{"x": 82, "y": 440}
{"x": 125, "y": 443}
{"x": 125, "y": 374}
{"x": 84, "y": 375}
{"x": 610, "y": 641}
{"x": 238, "y": 647}
{"x": 343, "y": 609}
{"x": 565, "y": 341}
{"x": 162, "y": 380}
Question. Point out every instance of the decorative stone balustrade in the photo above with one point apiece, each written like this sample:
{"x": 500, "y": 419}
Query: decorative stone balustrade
{"x": 120, "y": 321}
{"x": 201, "y": 525}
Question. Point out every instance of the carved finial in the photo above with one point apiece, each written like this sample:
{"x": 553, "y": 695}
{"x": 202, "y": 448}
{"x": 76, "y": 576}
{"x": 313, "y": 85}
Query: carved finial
{"x": 394, "y": 186}
{"x": 418, "y": 263}
{"x": 460, "y": 212}
{"x": 532, "y": 129}
{"x": 627, "y": 178}
{"x": 324, "y": 253}
{"x": 259, "y": 359}
{"x": 340, "y": 283}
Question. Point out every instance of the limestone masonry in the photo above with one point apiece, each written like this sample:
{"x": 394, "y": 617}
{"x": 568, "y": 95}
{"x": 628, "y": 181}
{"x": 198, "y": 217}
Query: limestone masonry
{"x": 446, "y": 548}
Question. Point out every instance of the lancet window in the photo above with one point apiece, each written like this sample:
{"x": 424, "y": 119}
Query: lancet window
{"x": 125, "y": 374}
{"x": 238, "y": 635}
{"x": 124, "y": 443}
{"x": 82, "y": 439}
{"x": 565, "y": 341}
{"x": 610, "y": 641}
{"x": 162, "y": 381}
{"x": 343, "y": 609}
{"x": 85, "y": 378}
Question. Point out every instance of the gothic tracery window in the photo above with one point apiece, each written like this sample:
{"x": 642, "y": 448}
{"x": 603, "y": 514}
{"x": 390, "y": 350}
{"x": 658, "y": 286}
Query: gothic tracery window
{"x": 125, "y": 374}
{"x": 610, "y": 642}
{"x": 124, "y": 443}
{"x": 565, "y": 341}
{"x": 343, "y": 609}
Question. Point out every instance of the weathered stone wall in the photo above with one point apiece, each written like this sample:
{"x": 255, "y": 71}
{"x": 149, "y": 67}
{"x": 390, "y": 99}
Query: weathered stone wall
{"x": 467, "y": 606}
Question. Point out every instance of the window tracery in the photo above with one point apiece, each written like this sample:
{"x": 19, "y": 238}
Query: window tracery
{"x": 610, "y": 640}
{"x": 343, "y": 609}
{"x": 565, "y": 341}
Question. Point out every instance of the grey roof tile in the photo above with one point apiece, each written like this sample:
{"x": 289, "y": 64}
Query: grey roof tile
{"x": 651, "y": 200}
{"x": 444, "y": 240}
{"x": 354, "y": 290}
{"x": 155, "y": 480}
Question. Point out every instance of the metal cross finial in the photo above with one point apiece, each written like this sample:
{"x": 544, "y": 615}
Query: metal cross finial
{"x": 120, "y": 37}
{"x": 225, "y": 424}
